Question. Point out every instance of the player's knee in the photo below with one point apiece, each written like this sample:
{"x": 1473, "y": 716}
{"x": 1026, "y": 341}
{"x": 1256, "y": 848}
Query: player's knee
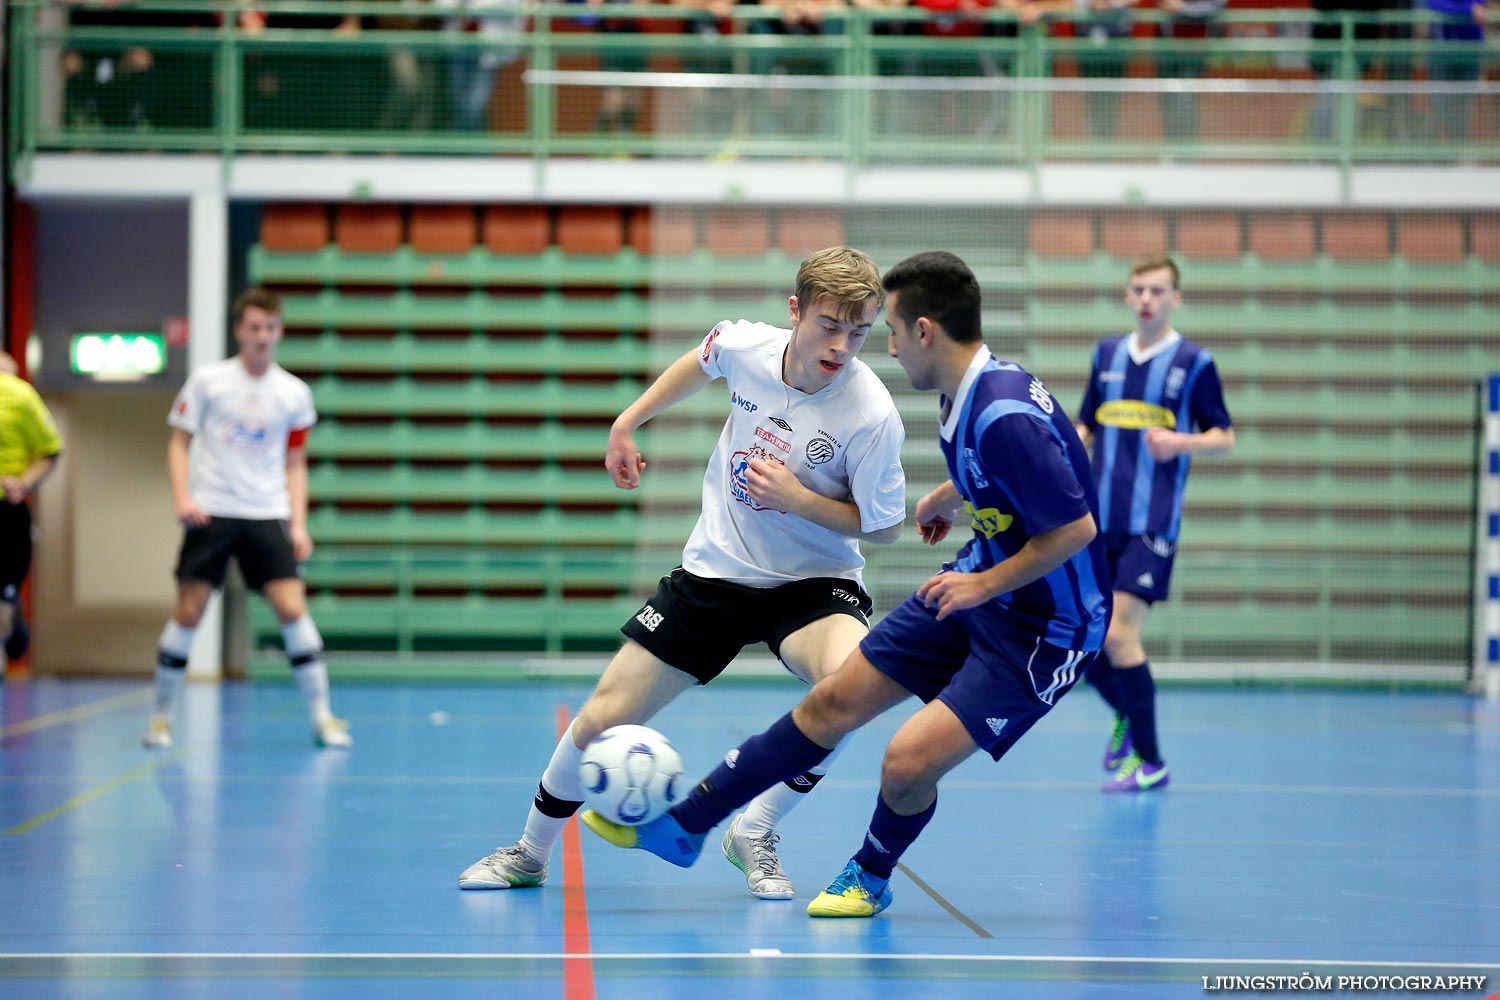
{"x": 904, "y": 777}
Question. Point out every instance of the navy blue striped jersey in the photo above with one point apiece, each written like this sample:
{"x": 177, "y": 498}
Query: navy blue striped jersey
{"x": 1173, "y": 384}
{"x": 1016, "y": 460}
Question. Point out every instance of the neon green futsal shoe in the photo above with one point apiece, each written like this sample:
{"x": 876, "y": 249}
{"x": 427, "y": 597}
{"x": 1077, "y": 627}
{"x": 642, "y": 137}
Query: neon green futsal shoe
{"x": 855, "y": 893}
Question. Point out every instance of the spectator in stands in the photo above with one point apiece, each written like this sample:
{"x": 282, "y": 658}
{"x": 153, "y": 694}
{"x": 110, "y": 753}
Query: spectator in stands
{"x": 472, "y": 71}
{"x": 29, "y": 449}
{"x": 1457, "y": 59}
{"x": 1326, "y": 65}
{"x": 961, "y": 19}
{"x": 410, "y": 100}
{"x": 305, "y": 88}
{"x": 619, "y": 107}
{"x": 790, "y": 112}
{"x": 1191, "y": 23}
{"x": 711, "y": 111}
{"x": 1104, "y": 23}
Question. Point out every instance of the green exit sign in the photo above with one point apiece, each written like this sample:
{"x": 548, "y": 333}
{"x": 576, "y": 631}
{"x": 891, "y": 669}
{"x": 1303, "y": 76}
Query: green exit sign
{"x": 118, "y": 356}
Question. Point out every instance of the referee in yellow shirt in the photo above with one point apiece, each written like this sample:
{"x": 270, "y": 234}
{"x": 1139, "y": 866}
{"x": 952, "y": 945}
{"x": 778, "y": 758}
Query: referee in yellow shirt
{"x": 29, "y": 447}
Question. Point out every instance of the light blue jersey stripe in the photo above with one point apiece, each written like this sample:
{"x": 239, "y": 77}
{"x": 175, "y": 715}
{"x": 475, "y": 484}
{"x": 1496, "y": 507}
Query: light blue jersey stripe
{"x": 1184, "y": 423}
{"x": 1110, "y": 436}
{"x": 1145, "y": 465}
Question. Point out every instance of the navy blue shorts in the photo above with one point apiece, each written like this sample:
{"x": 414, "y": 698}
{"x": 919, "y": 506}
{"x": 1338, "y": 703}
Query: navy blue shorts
{"x": 1140, "y": 564}
{"x": 997, "y": 678}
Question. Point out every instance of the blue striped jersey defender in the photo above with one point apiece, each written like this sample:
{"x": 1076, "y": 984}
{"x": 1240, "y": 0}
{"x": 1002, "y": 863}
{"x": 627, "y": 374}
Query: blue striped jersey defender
{"x": 1016, "y": 460}
{"x": 1174, "y": 385}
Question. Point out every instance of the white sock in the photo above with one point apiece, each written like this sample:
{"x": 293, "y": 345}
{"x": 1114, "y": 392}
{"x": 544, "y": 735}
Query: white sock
{"x": 561, "y": 782}
{"x": 171, "y": 665}
{"x": 768, "y": 808}
{"x": 304, "y": 650}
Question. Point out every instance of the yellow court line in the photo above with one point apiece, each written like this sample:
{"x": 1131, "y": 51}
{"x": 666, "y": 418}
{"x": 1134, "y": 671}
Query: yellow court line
{"x": 85, "y": 711}
{"x": 88, "y": 796}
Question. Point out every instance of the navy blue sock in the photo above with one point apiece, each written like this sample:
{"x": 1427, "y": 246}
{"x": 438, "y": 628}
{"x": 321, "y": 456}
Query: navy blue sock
{"x": 889, "y": 836}
{"x": 1101, "y": 674}
{"x": 777, "y": 754}
{"x": 1138, "y": 693}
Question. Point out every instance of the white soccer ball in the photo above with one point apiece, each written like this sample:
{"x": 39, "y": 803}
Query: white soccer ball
{"x": 631, "y": 774}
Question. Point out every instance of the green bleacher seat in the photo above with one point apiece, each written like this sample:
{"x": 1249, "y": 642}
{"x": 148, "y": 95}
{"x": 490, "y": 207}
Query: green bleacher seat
{"x": 331, "y": 483}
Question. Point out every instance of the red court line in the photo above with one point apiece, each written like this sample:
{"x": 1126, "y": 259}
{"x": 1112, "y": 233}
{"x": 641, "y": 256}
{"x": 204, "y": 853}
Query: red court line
{"x": 578, "y": 973}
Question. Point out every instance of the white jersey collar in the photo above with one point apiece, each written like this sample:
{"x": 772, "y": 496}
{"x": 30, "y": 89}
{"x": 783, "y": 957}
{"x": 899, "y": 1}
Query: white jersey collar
{"x": 956, "y": 405}
{"x": 1140, "y": 356}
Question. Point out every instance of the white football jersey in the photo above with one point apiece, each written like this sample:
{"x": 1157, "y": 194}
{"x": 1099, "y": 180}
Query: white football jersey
{"x": 240, "y": 424}
{"x": 843, "y": 442}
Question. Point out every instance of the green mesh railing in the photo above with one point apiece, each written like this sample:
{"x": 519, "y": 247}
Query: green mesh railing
{"x": 862, "y": 92}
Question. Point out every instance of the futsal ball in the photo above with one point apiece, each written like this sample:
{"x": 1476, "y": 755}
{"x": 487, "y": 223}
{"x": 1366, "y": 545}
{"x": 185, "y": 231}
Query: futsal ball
{"x": 631, "y": 774}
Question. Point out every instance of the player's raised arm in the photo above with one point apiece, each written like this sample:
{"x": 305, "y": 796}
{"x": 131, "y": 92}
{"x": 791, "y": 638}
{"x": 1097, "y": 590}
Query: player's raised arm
{"x": 622, "y": 458}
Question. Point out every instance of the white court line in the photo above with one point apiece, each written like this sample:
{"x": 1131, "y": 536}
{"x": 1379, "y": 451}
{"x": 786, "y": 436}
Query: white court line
{"x": 757, "y": 953}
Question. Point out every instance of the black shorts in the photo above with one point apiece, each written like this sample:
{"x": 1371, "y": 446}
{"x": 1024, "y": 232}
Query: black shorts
{"x": 699, "y": 625}
{"x": 262, "y": 548}
{"x": 15, "y": 547}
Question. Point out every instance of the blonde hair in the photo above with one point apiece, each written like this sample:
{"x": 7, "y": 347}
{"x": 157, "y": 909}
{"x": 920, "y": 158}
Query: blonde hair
{"x": 1156, "y": 264}
{"x": 843, "y": 274}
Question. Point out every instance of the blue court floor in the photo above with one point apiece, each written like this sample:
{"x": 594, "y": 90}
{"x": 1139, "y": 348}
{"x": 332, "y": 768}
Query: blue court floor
{"x": 1327, "y": 833}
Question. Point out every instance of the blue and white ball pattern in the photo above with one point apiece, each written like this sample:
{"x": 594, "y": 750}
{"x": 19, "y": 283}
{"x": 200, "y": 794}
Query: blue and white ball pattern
{"x": 631, "y": 774}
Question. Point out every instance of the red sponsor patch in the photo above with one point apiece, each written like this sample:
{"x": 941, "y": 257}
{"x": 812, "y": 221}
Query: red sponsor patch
{"x": 775, "y": 441}
{"x": 708, "y": 345}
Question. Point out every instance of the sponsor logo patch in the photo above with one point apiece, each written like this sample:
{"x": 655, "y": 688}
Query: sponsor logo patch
{"x": 775, "y": 441}
{"x": 782, "y": 424}
{"x": 650, "y": 618}
{"x": 988, "y": 521}
{"x": 743, "y": 403}
{"x": 819, "y": 451}
{"x": 1134, "y": 415}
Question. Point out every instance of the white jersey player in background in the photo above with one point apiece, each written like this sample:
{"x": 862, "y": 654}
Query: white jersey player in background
{"x": 237, "y": 462}
{"x": 807, "y": 466}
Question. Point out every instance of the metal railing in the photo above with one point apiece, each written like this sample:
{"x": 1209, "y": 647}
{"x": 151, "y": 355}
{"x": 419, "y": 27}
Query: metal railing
{"x": 579, "y": 80}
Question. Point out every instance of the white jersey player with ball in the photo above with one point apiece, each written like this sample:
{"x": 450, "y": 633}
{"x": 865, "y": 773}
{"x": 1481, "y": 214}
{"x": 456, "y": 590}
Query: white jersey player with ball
{"x": 807, "y": 467}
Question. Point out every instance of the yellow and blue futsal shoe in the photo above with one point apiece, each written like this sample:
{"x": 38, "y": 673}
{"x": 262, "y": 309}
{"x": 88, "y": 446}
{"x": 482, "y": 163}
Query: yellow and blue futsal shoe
{"x": 663, "y": 837}
{"x": 855, "y": 893}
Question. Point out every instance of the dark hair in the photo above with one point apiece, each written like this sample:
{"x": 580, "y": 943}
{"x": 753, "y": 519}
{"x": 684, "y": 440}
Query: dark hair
{"x": 940, "y": 286}
{"x": 260, "y": 298}
{"x": 1156, "y": 264}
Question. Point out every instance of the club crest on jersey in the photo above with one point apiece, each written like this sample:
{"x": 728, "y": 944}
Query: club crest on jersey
{"x": 1134, "y": 415}
{"x": 739, "y": 465}
{"x": 743, "y": 403}
{"x": 988, "y": 521}
{"x": 1175, "y": 378}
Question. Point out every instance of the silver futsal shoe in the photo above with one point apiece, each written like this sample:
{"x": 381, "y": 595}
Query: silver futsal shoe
{"x": 756, "y": 857}
{"x": 507, "y": 868}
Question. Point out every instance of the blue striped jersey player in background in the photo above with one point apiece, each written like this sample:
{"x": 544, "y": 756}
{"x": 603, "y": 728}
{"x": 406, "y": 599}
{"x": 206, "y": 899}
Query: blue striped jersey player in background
{"x": 1153, "y": 401}
{"x": 989, "y": 643}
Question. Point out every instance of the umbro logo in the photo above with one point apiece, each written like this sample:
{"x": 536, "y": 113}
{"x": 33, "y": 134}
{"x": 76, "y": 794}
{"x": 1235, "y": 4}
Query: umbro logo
{"x": 996, "y": 725}
{"x": 1146, "y": 580}
{"x": 782, "y": 424}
